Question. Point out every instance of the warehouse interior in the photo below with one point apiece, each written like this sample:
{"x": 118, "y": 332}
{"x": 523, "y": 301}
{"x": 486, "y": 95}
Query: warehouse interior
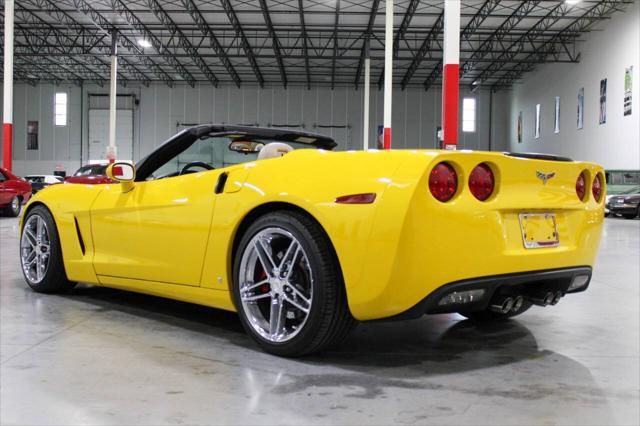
{"x": 551, "y": 77}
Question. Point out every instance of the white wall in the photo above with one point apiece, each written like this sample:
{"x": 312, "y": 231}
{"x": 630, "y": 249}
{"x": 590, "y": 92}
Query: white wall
{"x": 416, "y": 114}
{"x": 606, "y": 52}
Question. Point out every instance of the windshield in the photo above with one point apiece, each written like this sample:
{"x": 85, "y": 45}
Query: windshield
{"x": 211, "y": 152}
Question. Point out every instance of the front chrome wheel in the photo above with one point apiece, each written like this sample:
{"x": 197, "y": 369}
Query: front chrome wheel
{"x": 35, "y": 249}
{"x": 276, "y": 284}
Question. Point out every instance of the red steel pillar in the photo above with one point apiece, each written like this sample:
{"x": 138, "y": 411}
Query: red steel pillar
{"x": 388, "y": 72}
{"x": 451, "y": 74}
{"x": 7, "y": 127}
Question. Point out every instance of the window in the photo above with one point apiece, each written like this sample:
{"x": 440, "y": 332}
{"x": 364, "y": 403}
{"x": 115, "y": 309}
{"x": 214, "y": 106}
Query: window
{"x": 469, "y": 115}
{"x": 32, "y": 135}
{"x": 61, "y": 109}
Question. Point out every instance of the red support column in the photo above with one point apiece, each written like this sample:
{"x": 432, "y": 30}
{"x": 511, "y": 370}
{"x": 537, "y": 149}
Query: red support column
{"x": 451, "y": 74}
{"x": 7, "y": 127}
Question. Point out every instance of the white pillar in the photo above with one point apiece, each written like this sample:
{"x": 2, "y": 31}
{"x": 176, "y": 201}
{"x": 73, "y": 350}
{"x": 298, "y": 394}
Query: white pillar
{"x": 388, "y": 72}
{"x": 367, "y": 88}
{"x": 451, "y": 74}
{"x": 7, "y": 116}
{"x": 113, "y": 90}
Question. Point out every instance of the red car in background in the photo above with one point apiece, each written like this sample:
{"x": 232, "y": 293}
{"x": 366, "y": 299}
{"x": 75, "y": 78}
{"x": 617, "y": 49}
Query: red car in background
{"x": 91, "y": 174}
{"x": 14, "y": 191}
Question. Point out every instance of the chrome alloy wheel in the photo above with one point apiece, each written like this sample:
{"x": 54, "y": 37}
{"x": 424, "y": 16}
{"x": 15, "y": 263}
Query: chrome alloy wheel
{"x": 276, "y": 284}
{"x": 35, "y": 249}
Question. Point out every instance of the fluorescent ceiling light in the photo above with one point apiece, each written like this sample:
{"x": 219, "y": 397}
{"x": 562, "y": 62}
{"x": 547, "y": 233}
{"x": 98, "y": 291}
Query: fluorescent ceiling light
{"x": 144, "y": 43}
{"x": 572, "y": 1}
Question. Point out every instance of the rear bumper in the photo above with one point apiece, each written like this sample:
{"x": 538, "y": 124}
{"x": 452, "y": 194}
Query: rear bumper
{"x": 524, "y": 283}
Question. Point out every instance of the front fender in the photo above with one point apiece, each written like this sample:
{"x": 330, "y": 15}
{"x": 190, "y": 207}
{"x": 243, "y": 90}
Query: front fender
{"x": 70, "y": 205}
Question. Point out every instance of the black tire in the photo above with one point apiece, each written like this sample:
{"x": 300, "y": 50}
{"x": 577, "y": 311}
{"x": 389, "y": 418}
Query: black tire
{"x": 329, "y": 320}
{"x": 55, "y": 277}
{"x": 14, "y": 207}
{"x": 632, "y": 215}
{"x": 496, "y": 316}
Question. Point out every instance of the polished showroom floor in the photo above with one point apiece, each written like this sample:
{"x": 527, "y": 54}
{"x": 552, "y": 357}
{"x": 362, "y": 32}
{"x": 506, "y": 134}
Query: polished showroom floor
{"x": 105, "y": 357}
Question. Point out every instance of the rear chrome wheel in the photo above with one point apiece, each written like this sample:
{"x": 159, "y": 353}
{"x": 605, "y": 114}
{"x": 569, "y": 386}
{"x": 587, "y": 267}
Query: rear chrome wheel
{"x": 35, "y": 249}
{"x": 40, "y": 253}
{"x": 288, "y": 287}
{"x": 276, "y": 284}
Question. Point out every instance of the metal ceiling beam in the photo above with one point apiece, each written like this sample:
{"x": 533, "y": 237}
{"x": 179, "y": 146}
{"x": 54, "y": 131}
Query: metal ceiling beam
{"x": 28, "y": 17}
{"x": 500, "y": 34}
{"x": 305, "y": 41}
{"x": 591, "y": 16}
{"x": 183, "y": 41}
{"x": 336, "y": 22}
{"x": 135, "y": 22}
{"x": 425, "y": 50}
{"x": 365, "y": 44}
{"x": 518, "y": 46}
{"x": 244, "y": 42}
{"x": 206, "y": 29}
{"x": 100, "y": 22}
{"x": 97, "y": 42}
{"x": 275, "y": 43}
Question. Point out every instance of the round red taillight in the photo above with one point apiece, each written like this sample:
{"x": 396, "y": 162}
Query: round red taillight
{"x": 581, "y": 186}
{"x": 596, "y": 188}
{"x": 481, "y": 182}
{"x": 443, "y": 182}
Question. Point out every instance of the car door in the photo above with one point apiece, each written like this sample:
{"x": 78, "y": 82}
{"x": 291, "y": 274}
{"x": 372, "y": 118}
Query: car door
{"x": 158, "y": 231}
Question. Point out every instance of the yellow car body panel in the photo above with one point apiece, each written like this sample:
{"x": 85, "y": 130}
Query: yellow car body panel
{"x": 174, "y": 237}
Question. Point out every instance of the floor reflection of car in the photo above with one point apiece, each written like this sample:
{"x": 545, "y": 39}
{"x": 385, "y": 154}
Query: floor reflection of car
{"x": 14, "y": 191}
{"x": 626, "y": 204}
{"x": 91, "y": 173}
{"x": 39, "y": 182}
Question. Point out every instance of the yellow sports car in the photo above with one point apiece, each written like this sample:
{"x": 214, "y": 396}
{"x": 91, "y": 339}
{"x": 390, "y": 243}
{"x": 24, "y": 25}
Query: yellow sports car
{"x": 303, "y": 242}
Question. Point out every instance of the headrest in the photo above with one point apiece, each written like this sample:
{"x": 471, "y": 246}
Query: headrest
{"x": 274, "y": 150}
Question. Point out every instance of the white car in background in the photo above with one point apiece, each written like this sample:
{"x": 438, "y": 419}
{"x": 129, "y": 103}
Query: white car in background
{"x": 39, "y": 182}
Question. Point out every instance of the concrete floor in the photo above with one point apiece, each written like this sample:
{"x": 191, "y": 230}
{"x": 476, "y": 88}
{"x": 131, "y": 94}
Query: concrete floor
{"x": 105, "y": 357}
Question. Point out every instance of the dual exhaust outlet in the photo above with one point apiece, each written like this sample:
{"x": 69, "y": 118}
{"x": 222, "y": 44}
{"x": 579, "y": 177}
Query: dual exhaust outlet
{"x": 506, "y": 304}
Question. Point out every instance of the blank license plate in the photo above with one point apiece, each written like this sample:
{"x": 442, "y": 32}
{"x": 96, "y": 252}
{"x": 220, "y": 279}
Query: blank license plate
{"x": 539, "y": 230}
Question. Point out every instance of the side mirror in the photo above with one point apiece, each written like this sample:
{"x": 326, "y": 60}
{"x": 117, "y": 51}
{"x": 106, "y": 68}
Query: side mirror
{"x": 124, "y": 173}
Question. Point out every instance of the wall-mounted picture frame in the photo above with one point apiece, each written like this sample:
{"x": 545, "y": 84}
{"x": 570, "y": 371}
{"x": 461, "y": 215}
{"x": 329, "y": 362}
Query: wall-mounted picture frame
{"x": 556, "y": 120}
{"x": 603, "y": 101}
{"x": 537, "y": 133}
{"x": 580, "y": 122}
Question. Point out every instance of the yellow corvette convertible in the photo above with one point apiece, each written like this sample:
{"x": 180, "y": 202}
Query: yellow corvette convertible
{"x": 303, "y": 242}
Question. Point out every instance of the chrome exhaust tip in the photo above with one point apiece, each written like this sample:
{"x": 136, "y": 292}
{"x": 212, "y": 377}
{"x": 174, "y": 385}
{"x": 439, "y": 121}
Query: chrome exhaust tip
{"x": 502, "y": 305}
{"x": 557, "y": 297}
{"x": 542, "y": 298}
{"x": 517, "y": 303}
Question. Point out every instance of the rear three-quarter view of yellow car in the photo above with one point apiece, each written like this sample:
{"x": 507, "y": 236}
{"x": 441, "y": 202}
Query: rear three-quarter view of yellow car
{"x": 304, "y": 242}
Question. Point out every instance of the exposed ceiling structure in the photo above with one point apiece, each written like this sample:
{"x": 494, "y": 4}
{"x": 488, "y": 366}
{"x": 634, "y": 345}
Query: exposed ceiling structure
{"x": 292, "y": 42}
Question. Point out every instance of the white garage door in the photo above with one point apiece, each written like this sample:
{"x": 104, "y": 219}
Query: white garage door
{"x": 99, "y": 134}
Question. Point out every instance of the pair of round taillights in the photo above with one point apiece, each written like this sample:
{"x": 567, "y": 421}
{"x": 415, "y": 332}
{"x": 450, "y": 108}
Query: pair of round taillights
{"x": 443, "y": 182}
{"x": 596, "y": 187}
